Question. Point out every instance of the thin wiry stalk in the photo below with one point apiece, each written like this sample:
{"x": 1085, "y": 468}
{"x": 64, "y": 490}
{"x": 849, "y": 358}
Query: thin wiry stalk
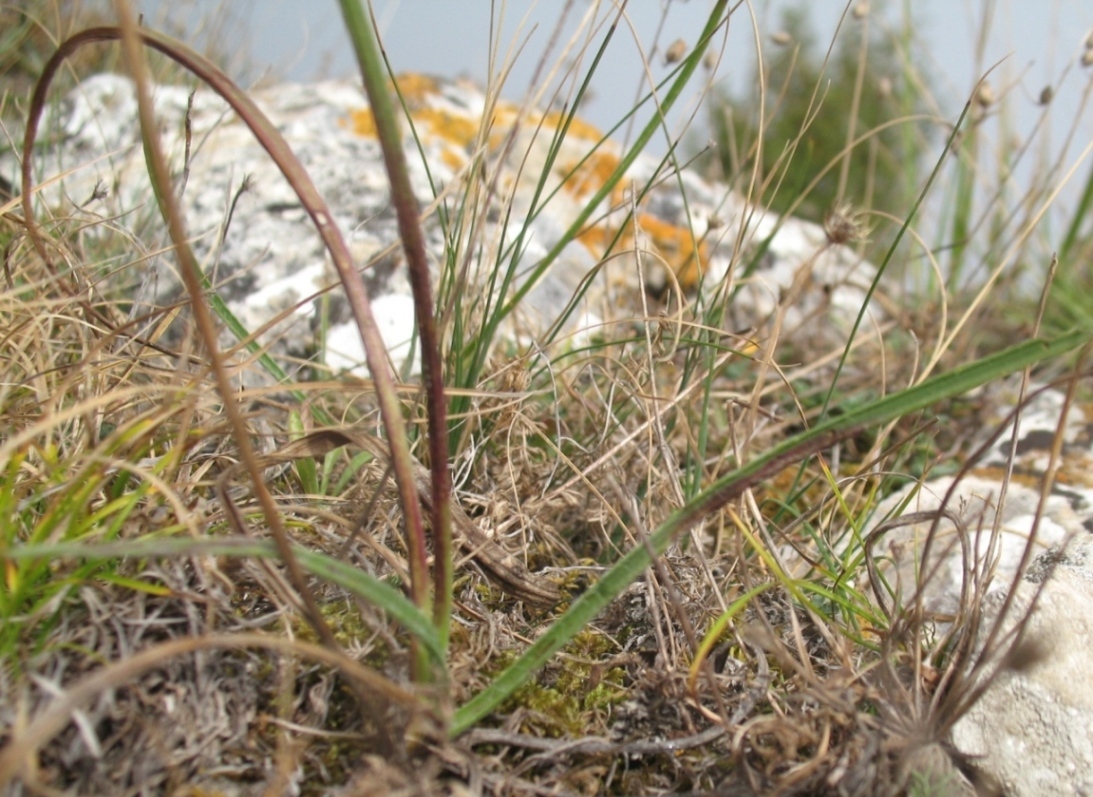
{"x": 168, "y": 205}
{"x": 890, "y": 253}
{"x": 413, "y": 242}
{"x": 715, "y": 19}
{"x": 469, "y": 368}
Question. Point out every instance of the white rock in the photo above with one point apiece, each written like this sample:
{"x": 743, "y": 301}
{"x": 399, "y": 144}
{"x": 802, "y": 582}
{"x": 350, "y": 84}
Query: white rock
{"x": 1031, "y": 732}
{"x": 980, "y": 534}
{"x": 395, "y": 318}
{"x": 269, "y": 249}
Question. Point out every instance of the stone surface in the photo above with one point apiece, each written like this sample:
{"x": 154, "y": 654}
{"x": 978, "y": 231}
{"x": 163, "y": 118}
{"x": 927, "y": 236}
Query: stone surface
{"x": 269, "y": 260}
{"x": 1031, "y": 732}
{"x": 982, "y": 536}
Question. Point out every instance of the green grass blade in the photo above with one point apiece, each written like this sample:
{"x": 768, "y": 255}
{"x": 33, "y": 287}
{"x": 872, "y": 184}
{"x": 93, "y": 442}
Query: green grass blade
{"x": 1077, "y": 221}
{"x": 376, "y": 592}
{"x": 690, "y": 64}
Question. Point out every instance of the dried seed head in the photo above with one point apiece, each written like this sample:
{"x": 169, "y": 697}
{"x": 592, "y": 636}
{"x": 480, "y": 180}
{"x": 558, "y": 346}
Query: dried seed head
{"x": 781, "y": 37}
{"x": 1047, "y": 95}
{"x": 844, "y": 225}
{"x": 861, "y": 10}
{"x": 675, "y": 52}
{"x": 984, "y": 95}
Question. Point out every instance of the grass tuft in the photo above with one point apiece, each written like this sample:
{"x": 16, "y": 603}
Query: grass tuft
{"x": 637, "y": 557}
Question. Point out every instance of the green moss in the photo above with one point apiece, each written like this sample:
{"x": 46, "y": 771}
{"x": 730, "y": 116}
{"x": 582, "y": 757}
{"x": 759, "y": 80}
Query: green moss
{"x": 567, "y": 698}
{"x": 345, "y": 621}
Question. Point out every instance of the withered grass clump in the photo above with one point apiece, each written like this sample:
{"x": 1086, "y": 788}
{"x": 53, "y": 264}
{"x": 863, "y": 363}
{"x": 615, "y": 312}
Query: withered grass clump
{"x": 218, "y": 580}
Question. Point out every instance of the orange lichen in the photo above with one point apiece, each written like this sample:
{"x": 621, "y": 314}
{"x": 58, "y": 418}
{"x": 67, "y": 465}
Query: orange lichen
{"x": 582, "y": 176}
{"x": 444, "y": 124}
{"x": 432, "y": 124}
{"x": 674, "y": 244}
{"x": 597, "y": 238}
{"x": 577, "y": 127}
{"x": 453, "y": 160}
{"x": 677, "y": 245}
{"x": 362, "y": 122}
{"x": 588, "y": 176}
{"x": 416, "y": 88}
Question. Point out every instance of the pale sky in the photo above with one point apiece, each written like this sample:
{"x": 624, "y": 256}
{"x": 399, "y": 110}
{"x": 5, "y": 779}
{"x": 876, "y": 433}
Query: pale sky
{"x": 303, "y": 39}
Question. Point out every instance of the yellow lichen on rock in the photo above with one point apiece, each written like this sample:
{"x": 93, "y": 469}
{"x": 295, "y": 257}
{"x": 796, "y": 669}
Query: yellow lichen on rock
{"x": 672, "y": 245}
{"x": 415, "y": 87}
{"x": 582, "y": 164}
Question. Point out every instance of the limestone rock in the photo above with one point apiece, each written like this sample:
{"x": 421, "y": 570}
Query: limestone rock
{"x": 259, "y": 247}
{"x": 1031, "y": 732}
{"x": 983, "y": 532}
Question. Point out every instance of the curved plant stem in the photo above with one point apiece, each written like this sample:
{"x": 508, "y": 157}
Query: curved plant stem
{"x": 274, "y": 143}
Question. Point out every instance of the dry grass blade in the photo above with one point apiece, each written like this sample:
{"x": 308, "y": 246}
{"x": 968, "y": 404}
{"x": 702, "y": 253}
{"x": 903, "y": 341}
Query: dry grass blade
{"x": 510, "y": 574}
